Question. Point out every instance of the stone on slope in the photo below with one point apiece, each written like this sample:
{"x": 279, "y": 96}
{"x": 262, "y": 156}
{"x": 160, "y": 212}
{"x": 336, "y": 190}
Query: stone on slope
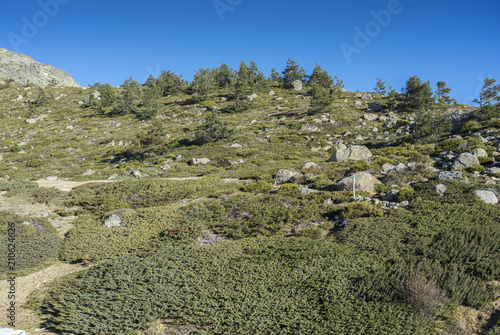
{"x": 355, "y": 152}
{"x": 283, "y": 176}
{"x": 464, "y": 161}
{"x": 113, "y": 220}
{"x": 364, "y": 182}
{"x": 487, "y": 196}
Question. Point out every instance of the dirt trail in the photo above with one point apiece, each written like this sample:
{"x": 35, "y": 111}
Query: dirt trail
{"x": 25, "y": 318}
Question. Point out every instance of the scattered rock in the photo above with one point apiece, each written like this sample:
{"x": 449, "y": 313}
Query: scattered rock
{"x": 465, "y": 160}
{"x": 450, "y": 175}
{"x": 364, "y": 182}
{"x": 178, "y": 157}
{"x": 440, "y": 189}
{"x": 310, "y": 127}
{"x": 236, "y": 146}
{"x": 370, "y": 117}
{"x": 304, "y": 190}
{"x": 479, "y": 152}
{"x": 487, "y": 196}
{"x": 387, "y": 167}
{"x": 494, "y": 170}
{"x": 310, "y": 165}
{"x": 89, "y": 172}
{"x": 196, "y": 161}
{"x": 136, "y": 174}
{"x": 113, "y": 221}
{"x": 208, "y": 237}
{"x": 253, "y": 96}
{"x": 271, "y": 93}
{"x": 391, "y": 195}
{"x": 355, "y": 152}
{"x": 31, "y": 121}
{"x": 364, "y": 96}
{"x": 283, "y": 176}
{"x": 51, "y": 178}
{"x": 297, "y": 85}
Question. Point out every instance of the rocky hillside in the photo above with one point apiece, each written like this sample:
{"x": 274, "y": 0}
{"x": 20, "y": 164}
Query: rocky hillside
{"x": 23, "y": 69}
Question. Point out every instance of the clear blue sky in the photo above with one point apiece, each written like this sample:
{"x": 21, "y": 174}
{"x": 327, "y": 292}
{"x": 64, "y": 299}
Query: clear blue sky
{"x": 109, "y": 41}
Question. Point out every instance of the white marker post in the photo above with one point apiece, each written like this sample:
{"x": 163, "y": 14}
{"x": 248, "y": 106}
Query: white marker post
{"x": 354, "y": 187}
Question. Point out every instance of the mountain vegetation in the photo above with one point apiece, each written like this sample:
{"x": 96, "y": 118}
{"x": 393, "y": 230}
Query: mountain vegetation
{"x": 226, "y": 204}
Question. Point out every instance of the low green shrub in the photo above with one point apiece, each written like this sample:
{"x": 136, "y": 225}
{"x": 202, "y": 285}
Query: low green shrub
{"x": 405, "y": 194}
{"x": 34, "y": 163}
{"x": 35, "y": 239}
{"x": 315, "y": 233}
{"x": 470, "y": 126}
{"x": 485, "y": 160}
{"x": 478, "y": 168}
{"x": 251, "y": 286}
{"x": 320, "y": 182}
{"x": 259, "y": 186}
{"x": 360, "y": 209}
{"x": 288, "y": 189}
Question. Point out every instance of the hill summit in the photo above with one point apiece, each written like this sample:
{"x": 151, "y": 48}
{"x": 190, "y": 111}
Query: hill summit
{"x": 23, "y": 69}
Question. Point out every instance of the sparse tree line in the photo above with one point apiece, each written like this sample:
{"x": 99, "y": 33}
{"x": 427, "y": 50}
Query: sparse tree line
{"x": 146, "y": 102}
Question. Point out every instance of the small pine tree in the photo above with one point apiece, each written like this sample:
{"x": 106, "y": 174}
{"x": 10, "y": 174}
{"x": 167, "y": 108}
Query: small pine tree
{"x": 380, "y": 87}
{"x": 275, "y": 76}
{"x": 214, "y": 129}
{"x": 321, "y": 97}
{"x": 257, "y": 78}
{"x": 203, "y": 84}
{"x": 321, "y": 77}
{"x": 418, "y": 95}
{"x": 443, "y": 94}
{"x": 225, "y": 76}
{"x": 151, "y": 101}
{"x": 291, "y": 73}
{"x": 108, "y": 95}
{"x": 489, "y": 93}
{"x": 130, "y": 92}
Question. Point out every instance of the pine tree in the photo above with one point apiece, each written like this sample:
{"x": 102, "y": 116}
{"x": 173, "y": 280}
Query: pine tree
{"x": 151, "y": 101}
{"x": 489, "y": 93}
{"x": 203, "y": 84}
{"x": 321, "y": 77}
{"x": 380, "y": 87}
{"x": 275, "y": 76}
{"x": 214, "y": 129}
{"x": 130, "y": 92}
{"x": 443, "y": 94}
{"x": 418, "y": 95}
{"x": 291, "y": 73}
{"x": 257, "y": 78}
{"x": 225, "y": 76}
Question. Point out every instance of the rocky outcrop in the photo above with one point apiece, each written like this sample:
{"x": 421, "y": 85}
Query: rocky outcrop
{"x": 23, "y": 70}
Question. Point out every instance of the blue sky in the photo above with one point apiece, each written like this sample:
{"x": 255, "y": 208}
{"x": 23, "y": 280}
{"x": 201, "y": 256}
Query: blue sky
{"x": 357, "y": 40}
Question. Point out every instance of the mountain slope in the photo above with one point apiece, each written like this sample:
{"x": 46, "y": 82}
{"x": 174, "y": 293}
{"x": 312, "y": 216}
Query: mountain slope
{"x": 23, "y": 69}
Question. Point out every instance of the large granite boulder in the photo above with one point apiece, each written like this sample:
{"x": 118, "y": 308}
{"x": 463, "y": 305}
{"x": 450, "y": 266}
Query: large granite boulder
{"x": 364, "y": 181}
{"x": 355, "y": 152}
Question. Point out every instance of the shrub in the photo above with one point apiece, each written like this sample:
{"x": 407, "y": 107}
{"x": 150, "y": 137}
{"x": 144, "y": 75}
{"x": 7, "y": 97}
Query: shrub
{"x": 207, "y": 104}
{"x": 36, "y": 243}
{"x": 360, "y": 209}
{"x": 421, "y": 293}
{"x": 485, "y": 160}
{"x": 315, "y": 233}
{"x": 34, "y": 163}
{"x": 259, "y": 186}
{"x": 289, "y": 189}
{"x": 405, "y": 194}
{"x": 45, "y": 195}
{"x": 214, "y": 129}
{"x": 246, "y": 286}
{"x": 321, "y": 181}
{"x": 470, "y": 126}
{"x": 478, "y": 168}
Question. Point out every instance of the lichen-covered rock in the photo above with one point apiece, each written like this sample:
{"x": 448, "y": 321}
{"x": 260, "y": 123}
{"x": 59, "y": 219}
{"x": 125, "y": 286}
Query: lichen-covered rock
{"x": 283, "y": 176}
{"x": 487, "y": 196}
{"x": 113, "y": 220}
{"x": 355, "y": 152}
{"x": 364, "y": 181}
{"x": 464, "y": 161}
